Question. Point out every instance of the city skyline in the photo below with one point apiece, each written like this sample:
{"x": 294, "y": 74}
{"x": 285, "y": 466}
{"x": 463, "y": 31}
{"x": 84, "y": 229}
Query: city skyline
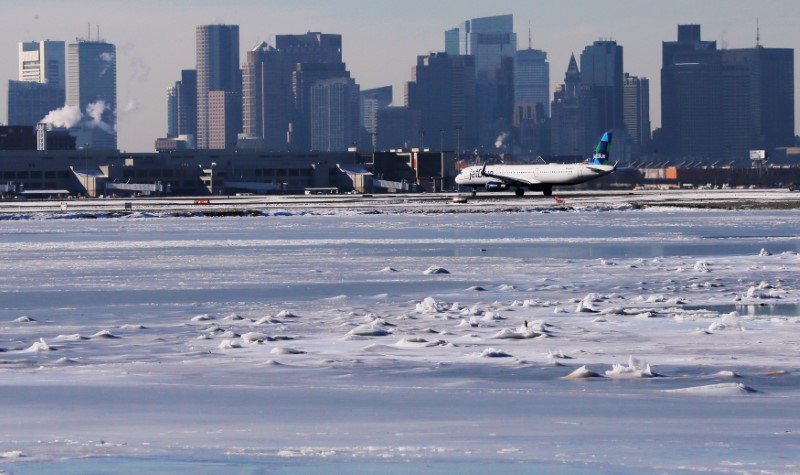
{"x": 380, "y": 44}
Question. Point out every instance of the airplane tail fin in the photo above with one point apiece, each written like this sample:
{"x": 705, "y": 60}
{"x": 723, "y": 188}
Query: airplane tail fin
{"x": 602, "y": 151}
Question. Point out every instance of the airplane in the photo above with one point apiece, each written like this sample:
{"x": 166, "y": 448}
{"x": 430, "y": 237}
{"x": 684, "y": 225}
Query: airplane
{"x": 539, "y": 177}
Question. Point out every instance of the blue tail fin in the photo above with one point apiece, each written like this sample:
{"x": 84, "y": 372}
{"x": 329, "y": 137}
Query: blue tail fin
{"x": 602, "y": 151}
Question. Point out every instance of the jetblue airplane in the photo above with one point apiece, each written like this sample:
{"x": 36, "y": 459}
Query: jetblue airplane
{"x": 539, "y": 177}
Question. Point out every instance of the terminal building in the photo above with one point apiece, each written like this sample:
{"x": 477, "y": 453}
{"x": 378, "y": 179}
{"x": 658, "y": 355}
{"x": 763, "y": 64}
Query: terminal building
{"x": 26, "y": 171}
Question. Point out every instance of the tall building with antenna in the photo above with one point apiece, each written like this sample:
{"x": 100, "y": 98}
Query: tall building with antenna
{"x": 532, "y": 78}
{"x": 92, "y": 89}
{"x": 716, "y": 105}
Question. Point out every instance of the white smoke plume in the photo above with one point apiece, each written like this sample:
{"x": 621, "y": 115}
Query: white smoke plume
{"x": 66, "y": 117}
{"x": 498, "y": 143}
{"x": 95, "y": 111}
{"x": 108, "y": 60}
{"x": 131, "y": 106}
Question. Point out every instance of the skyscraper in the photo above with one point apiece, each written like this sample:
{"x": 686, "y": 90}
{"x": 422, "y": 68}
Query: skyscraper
{"x": 42, "y": 62}
{"x": 266, "y": 97}
{"x": 443, "y": 91}
{"x": 493, "y": 44}
{"x": 172, "y": 112}
{"x": 224, "y": 119}
{"x": 306, "y": 58}
{"x": 757, "y": 100}
{"x": 276, "y": 87}
{"x": 186, "y": 92}
{"x": 311, "y": 47}
{"x": 691, "y": 97}
{"x": 334, "y": 114}
{"x": 601, "y": 70}
{"x": 92, "y": 90}
{"x": 636, "y": 109}
{"x": 40, "y": 88}
{"x": 372, "y": 101}
{"x": 532, "y": 79}
{"x": 574, "y": 119}
{"x": 217, "y": 70}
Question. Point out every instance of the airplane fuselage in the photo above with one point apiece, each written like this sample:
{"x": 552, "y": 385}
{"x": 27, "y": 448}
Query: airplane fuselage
{"x": 533, "y": 177}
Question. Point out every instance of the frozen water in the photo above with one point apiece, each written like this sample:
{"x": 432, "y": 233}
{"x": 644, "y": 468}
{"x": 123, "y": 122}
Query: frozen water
{"x": 230, "y": 345}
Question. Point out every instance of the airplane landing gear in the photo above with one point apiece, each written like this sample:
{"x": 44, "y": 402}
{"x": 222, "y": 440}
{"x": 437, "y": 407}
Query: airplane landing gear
{"x": 519, "y": 192}
{"x": 474, "y": 192}
{"x": 548, "y": 191}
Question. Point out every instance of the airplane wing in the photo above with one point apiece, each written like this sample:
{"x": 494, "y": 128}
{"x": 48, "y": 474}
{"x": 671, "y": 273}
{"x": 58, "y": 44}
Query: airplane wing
{"x": 513, "y": 181}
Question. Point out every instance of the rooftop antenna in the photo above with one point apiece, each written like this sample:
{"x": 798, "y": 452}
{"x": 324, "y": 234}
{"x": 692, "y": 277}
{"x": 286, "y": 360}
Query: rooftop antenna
{"x": 758, "y": 34}
{"x": 88, "y": 31}
{"x": 530, "y": 41}
{"x": 98, "y": 32}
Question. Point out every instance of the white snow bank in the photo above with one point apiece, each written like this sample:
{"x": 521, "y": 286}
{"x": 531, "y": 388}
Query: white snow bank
{"x": 104, "y": 334}
{"x": 267, "y": 319}
{"x": 726, "y": 374}
{"x": 636, "y": 369}
{"x": 233, "y": 318}
{"x": 254, "y": 337}
{"x": 721, "y": 389}
{"x": 701, "y": 266}
{"x": 516, "y": 334}
{"x": 429, "y": 305}
{"x": 494, "y": 353}
{"x": 584, "y": 307}
{"x": 286, "y": 351}
{"x": 228, "y": 344}
{"x": 436, "y": 270}
{"x": 72, "y": 337}
{"x": 369, "y": 329}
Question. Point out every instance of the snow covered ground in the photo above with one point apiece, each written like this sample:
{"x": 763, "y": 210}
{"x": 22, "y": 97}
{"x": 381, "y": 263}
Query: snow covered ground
{"x": 600, "y": 338}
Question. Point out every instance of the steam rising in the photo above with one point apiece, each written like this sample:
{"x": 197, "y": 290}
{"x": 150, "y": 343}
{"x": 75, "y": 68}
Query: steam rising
{"x": 71, "y": 116}
{"x": 65, "y": 117}
{"x": 498, "y": 143}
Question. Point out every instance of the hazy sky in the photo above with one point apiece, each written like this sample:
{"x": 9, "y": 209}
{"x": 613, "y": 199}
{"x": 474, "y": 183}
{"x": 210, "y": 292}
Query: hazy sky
{"x": 381, "y": 38}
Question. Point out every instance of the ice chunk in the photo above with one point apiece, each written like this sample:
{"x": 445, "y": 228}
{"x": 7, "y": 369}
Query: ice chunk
{"x": 429, "y": 305}
{"x": 582, "y": 373}
{"x": 436, "y": 270}
{"x": 721, "y": 389}
{"x": 516, "y": 334}
{"x": 254, "y": 337}
{"x": 494, "y": 353}
{"x": 636, "y": 369}
{"x": 39, "y": 346}
{"x": 286, "y": 351}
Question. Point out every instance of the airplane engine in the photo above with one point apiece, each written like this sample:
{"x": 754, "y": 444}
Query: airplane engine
{"x": 496, "y": 186}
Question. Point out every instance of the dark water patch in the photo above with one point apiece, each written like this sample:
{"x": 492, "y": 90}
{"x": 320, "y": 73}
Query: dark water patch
{"x": 752, "y": 310}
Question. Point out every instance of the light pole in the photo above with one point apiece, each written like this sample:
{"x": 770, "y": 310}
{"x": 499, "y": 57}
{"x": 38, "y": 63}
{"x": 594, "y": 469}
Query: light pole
{"x": 441, "y": 140}
{"x": 458, "y": 143}
{"x": 213, "y": 164}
